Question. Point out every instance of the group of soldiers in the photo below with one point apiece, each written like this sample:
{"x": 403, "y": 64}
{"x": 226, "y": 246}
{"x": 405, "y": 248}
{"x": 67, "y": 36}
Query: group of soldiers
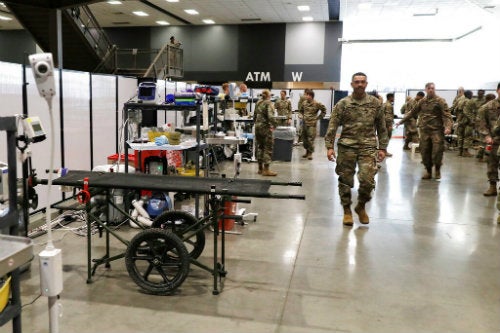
{"x": 474, "y": 125}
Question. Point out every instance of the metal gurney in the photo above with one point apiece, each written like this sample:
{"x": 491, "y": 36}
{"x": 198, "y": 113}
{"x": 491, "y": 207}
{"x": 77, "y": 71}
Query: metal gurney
{"x": 157, "y": 259}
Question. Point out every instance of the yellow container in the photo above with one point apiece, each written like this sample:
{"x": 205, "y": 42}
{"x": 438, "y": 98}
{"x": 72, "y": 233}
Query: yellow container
{"x": 189, "y": 172}
{"x": 4, "y": 294}
{"x": 174, "y": 138}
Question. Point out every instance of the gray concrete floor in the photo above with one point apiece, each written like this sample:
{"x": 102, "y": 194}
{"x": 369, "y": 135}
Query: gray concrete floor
{"x": 427, "y": 262}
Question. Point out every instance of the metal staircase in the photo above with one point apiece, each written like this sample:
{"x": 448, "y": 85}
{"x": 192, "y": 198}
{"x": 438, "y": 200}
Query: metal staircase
{"x": 86, "y": 46}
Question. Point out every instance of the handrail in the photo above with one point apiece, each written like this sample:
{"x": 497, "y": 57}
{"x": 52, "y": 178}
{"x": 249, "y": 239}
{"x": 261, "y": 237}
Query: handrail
{"x": 167, "y": 63}
{"x": 90, "y": 28}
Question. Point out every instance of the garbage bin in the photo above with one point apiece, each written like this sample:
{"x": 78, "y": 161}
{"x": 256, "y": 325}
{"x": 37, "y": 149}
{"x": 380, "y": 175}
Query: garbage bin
{"x": 283, "y": 143}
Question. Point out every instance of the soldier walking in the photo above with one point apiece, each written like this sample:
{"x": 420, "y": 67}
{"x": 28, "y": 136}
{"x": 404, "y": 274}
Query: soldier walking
{"x": 264, "y": 120}
{"x": 434, "y": 122}
{"x": 488, "y": 115}
{"x": 362, "y": 143}
{"x": 309, "y": 111}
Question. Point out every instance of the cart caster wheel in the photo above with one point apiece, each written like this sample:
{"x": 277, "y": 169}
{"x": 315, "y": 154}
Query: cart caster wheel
{"x": 177, "y": 222}
{"x": 157, "y": 261}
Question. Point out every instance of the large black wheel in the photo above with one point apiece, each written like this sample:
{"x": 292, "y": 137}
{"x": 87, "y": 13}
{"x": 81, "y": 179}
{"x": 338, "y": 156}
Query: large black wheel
{"x": 177, "y": 222}
{"x": 157, "y": 261}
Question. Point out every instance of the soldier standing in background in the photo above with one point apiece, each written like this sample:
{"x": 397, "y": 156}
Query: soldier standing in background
{"x": 362, "y": 143}
{"x": 309, "y": 111}
{"x": 283, "y": 107}
{"x": 480, "y": 100}
{"x": 411, "y": 130}
{"x": 264, "y": 120}
{"x": 301, "y": 121}
{"x": 434, "y": 122}
{"x": 489, "y": 113}
{"x": 457, "y": 99}
{"x": 466, "y": 119}
{"x": 389, "y": 116}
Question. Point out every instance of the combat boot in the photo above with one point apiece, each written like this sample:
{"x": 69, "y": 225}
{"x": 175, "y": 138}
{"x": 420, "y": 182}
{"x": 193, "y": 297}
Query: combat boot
{"x": 261, "y": 167}
{"x": 492, "y": 190}
{"x": 427, "y": 174}
{"x": 466, "y": 153}
{"x": 438, "y": 172}
{"x": 267, "y": 172}
{"x": 406, "y": 146}
{"x": 309, "y": 156}
{"x": 498, "y": 219}
{"x": 360, "y": 210}
{"x": 347, "y": 216}
{"x": 305, "y": 155}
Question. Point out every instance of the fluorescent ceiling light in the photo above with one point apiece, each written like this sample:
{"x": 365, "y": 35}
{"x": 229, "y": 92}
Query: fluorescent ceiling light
{"x": 172, "y": 0}
{"x": 307, "y": 18}
{"x": 2, "y": 4}
{"x": 5, "y": 18}
{"x": 208, "y": 21}
{"x": 162, "y": 23}
{"x": 114, "y": 2}
{"x": 140, "y": 13}
{"x": 191, "y": 11}
{"x": 303, "y": 8}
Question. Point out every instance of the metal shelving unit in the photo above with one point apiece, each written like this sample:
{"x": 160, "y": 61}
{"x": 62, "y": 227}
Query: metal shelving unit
{"x": 15, "y": 251}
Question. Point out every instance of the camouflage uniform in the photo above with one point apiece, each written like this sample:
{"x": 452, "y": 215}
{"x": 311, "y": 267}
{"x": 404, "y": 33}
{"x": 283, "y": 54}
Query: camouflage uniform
{"x": 283, "y": 108}
{"x": 362, "y": 122}
{"x": 489, "y": 125}
{"x": 433, "y": 118}
{"x": 309, "y": 112}
{"x": 301, "y": 125}
{"x": 456, "y": 102}
{"x": 466, "y": 118}
{"x": 263, "y": 117}
{"x": 411, "y": 131}
{"x": 389, "y": 117}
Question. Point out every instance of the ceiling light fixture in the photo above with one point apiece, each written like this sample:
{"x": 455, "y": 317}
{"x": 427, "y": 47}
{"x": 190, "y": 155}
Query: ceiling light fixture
{"x": 114, "y": 2}
{"x": 2, "y": 4}
{"x": 307, "y": 19}
{"x": 162, "y": 23}
{"x": 172, "y": 0}
{"x": 191, "y": 11}
{"x": 140, "y": 13}
{"x": 5, "y": 18}
{"x": 303, "y": 8}
{"x": 208, "y": 21}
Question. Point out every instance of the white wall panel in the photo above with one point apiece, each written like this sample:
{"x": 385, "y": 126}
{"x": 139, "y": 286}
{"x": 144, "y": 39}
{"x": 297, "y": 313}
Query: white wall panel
{"x": 76, "y": 92}
{"x": 103, "y": 114}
